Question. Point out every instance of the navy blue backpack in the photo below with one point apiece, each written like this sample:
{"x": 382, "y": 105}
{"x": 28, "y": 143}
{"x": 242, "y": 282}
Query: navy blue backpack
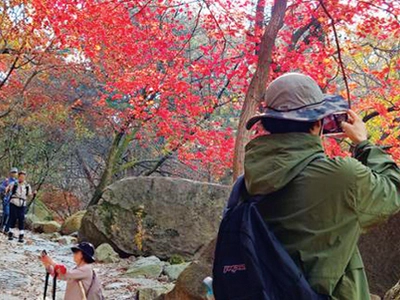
{"x": 250, "y": 263}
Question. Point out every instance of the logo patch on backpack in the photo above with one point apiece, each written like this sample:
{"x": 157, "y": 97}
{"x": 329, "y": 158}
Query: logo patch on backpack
{"x": 234, "y": 268}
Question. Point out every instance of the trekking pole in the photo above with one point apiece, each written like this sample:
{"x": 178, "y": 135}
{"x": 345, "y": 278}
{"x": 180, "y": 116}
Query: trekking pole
{"x": 46, "y": 283}
{"x": 54, "y": 285}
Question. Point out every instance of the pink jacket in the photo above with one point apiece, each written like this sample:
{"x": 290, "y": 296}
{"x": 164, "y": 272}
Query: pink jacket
{"x": 89, "y": 279}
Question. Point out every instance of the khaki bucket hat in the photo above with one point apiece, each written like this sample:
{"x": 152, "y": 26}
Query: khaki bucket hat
{"x": 295, "y": 96}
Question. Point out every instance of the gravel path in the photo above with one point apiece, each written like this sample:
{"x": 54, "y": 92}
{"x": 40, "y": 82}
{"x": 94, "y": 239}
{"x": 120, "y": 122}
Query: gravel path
{"x": 22, "y": 275}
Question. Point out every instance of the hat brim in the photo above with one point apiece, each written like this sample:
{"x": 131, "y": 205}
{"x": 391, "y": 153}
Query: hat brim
{"x": 88, "y": 256}
{"x": 331, "y": 104}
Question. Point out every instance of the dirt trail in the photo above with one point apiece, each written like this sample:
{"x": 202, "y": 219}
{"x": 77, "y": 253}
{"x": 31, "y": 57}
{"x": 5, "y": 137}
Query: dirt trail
{"x": 22, "y": 275}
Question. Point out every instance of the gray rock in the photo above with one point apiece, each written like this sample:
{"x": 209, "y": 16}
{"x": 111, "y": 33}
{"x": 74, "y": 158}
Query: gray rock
{"x": 72, "y": 223}
{"x": 189, "y": 285}
{"x": 38, "y": 212}
{"x": 152, "y": 293}
{"x": 30, "y": 219}
{"x": 67, "y": 240}
{"x": 106, "y": 254}
{"x": 149, "y": 267}
{"x": 163, "y": 216}
{"x": 115, "y": 285}
{"x": 173, "y": 271}
{"x": 46, "y": 227}
{"x": 51, "y": 236}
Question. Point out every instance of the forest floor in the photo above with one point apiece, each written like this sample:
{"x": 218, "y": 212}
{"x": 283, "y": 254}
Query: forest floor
{"x": 23, "y": 277}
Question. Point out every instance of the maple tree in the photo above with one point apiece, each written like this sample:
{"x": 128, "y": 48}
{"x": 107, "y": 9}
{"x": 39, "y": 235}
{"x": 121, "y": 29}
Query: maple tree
{"x": 321, "y": 39}
{"x": 34, "y": 96}
{"x": 160, "y": 80}
{"x": 170, "y": 78}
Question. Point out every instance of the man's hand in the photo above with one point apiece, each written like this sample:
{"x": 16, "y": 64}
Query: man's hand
{"x": 355, "y": 128}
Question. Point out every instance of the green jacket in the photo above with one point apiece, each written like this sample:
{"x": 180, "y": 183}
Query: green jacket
{"x": 318, "y": 207}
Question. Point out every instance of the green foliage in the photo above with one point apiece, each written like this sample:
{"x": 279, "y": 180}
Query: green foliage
{"x": 176, "y": 260}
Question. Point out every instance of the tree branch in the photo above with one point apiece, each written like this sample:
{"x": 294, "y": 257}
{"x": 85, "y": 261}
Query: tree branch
{"x": 338, "y": 50}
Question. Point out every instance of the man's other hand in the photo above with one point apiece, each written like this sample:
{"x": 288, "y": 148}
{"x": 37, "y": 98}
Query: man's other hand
{"x": 355, "y": 128}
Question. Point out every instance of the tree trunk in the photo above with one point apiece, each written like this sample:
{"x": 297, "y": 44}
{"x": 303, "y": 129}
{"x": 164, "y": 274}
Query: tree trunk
{"x": 258, "y": 82}
{"x": 108, "y": 169}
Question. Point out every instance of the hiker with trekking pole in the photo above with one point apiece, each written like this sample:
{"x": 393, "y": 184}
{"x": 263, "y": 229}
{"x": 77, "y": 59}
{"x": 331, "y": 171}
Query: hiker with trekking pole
{"x": 20, "y": 191}
{"x": 5, "y": 198}
{"x": 82, "y": 280}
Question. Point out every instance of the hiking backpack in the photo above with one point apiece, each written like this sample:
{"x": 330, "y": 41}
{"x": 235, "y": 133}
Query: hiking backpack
{"x": 3, "y": 187}
{"x": 250, "y": 263}
{"x": 15, "y": 187}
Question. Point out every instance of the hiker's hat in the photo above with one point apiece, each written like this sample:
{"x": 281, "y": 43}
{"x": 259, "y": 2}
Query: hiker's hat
{"x": 297, "y": 97}
{"x": 87, "y": 250}
{"x": 14, "y": 170}
{"x": 22, "y": 172}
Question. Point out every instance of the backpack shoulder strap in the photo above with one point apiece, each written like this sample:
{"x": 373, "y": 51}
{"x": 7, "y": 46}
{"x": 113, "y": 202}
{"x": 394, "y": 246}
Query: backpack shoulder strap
{"x": 82, "y": 290}
{"x": 14, "y": 188}
{"x": 91, "y": 284}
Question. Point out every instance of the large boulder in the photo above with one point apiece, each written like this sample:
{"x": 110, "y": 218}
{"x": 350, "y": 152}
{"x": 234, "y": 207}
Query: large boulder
{"x": 156, "y": 216}
{"x": 73, "y": 223}
{"x": 381, "y": 255}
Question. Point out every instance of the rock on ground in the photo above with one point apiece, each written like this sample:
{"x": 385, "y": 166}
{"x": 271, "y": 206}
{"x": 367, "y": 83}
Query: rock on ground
{"x": 72, "y": 223}
{"x": 106, "y": 254}
{"x": 173, "y": 271}
{"x": 189, "y": 285}
{"x": 38, "y": 212}
{"x": 66, "y": 240}
{"x": 46, "y": 227}
{"x": 152, "y": 293}
{"x": 161, "y": 216}
{"x": 148, "y": 267}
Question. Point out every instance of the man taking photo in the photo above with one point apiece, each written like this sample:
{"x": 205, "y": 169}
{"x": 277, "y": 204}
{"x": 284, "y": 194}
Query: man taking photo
{"x": 318, "y": 206}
